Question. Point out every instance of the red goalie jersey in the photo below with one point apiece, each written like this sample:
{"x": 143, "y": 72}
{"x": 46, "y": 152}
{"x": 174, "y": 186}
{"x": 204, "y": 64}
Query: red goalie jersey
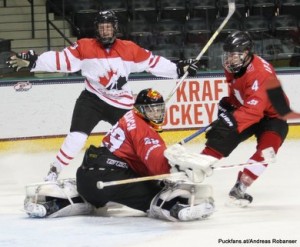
{"x": 135, "y": 141}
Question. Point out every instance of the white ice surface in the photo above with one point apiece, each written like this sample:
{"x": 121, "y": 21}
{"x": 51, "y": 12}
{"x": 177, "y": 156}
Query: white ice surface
{"x": 274, "y": 213}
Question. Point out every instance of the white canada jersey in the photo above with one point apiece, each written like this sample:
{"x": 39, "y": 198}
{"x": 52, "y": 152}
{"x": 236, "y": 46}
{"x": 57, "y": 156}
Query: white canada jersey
{"x": 106, "y": 71}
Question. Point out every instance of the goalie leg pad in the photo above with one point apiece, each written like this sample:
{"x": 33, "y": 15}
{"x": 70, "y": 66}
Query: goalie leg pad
{"x": 55, "y": 199}
{"x": 190, "y": 202}
{"x": 73, "y": 209}
{"x": 200, "y": 211}
{"x": 51, "y": 210}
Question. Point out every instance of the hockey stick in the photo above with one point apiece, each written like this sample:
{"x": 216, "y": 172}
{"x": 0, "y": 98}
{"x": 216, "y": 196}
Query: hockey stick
{"x": 238, "y": 165}
{"x": 101, "y": 185}
{"x": 268, "y": 154}
{"x": 194, "y": 135}
{"x": 231, "y": 9}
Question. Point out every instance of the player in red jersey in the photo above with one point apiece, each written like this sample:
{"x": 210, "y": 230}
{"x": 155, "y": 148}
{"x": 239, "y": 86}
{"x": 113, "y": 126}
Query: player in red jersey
{"x": 247, "y": 111}
{"x": 106, "y": 63}
{"x": 131, "y": 149}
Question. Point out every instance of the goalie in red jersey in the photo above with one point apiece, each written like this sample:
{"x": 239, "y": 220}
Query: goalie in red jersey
{"x": 133, "y": 148}
{"x": 247, "y": 111}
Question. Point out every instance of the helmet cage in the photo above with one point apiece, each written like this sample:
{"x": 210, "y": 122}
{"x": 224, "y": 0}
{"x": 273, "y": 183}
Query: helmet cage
{"x": 106, "y": 17}
{"x": 234, "y": 61}
{"x": 237, "y": 49}
{"x": 155, "y": 113}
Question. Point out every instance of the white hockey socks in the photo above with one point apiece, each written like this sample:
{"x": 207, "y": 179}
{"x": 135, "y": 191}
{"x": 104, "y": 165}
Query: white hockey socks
{"x": 72, "y": 145}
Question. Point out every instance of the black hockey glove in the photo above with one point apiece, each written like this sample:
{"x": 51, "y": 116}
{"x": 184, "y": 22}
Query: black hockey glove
{"x": 223, "y": 135}
{"x": 189, "y": 65}
{"x": 225, "y": 106}
{"x": 23, "y": 60}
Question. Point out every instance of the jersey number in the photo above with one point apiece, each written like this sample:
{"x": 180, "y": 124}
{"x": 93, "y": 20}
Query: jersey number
{"x": 116, "y": 139}
{"x": 152, "y": 141}
{"x": 255, "y": 85}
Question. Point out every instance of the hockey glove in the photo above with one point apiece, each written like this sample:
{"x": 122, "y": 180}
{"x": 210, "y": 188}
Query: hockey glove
{"x": 23, "y": 60}
{"x": 223, "y": 135}
{"x": 189, "y": 65}
{"x": 55, "y": 169}
{"x": 225, "y": 106}
{"x": 196, "y": 166}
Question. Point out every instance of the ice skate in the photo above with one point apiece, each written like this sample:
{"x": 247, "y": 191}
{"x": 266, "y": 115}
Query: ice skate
{"x": 238, "y": 196}
{"x": 35, "y": 210}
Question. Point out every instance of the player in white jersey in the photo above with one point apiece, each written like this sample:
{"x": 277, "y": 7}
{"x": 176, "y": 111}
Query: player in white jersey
{"x": 106, "y": 63}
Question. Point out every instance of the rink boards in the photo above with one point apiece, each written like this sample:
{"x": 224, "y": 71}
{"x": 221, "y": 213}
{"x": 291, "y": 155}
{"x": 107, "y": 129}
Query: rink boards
{"x": 54, "y": 143}
{"x": 36, "y": 114}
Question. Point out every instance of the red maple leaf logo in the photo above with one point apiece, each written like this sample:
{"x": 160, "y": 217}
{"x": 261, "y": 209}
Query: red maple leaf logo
{"x": 104, "y": 80}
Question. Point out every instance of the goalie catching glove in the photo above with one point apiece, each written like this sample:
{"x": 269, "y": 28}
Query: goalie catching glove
{"x": 196, "y": 166}
{"x": 23, "y": 60}
{"x": 189, "y": 65}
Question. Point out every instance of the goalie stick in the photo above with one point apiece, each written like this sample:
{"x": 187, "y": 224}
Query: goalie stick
{"x": 231, "y": 9}
{"x": 101, "y": 184}
{"x": 268, "y": 154}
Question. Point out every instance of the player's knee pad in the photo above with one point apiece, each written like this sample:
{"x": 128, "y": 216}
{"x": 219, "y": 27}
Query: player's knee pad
{"x": 55, "y": 199}
{"x": 183, "y": 202}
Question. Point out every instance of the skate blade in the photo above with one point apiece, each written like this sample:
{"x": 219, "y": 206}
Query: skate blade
{"x": 237, "y": 203}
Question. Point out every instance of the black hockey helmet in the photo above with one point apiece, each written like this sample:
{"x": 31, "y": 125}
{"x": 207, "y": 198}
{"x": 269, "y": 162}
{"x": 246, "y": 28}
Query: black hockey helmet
{"x": 150, "y": 105}
{"x": 237, "y": 49}
{"x": 106, "y": 16}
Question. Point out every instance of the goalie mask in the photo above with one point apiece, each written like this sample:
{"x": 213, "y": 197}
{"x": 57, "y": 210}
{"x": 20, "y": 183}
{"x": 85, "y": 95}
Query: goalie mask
{"x": 106, "y": 23}
{"x": 237, "y": 51}
{"x": 150, "y": 105}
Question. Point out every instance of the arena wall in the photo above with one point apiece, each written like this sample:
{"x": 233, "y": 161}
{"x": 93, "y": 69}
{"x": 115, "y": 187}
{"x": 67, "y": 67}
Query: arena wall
{"x": 36, "y": 113}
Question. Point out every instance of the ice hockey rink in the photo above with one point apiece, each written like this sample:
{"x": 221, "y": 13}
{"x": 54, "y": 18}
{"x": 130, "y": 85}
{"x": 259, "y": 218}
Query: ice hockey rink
{"x": 272, "y": 218}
